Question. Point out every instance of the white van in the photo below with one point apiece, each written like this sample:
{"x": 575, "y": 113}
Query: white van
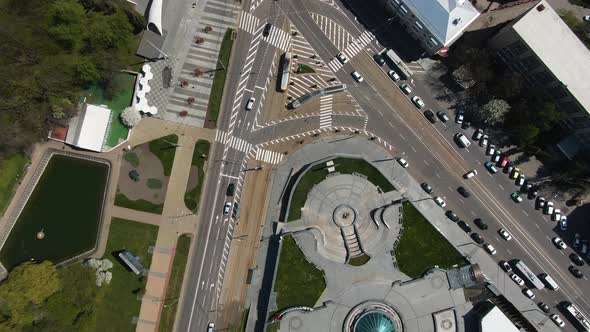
{"x": 462, "y": 140}
{"x": 551, "y": 284}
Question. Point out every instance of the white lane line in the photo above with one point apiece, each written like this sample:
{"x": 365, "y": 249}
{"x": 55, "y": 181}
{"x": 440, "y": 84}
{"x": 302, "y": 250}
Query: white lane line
{"x": 413, "y": 148}
{"x": 509, "y": 251}
{"x": 526, "y": 214}
{"x": 478, "y": 162}
{"x": 426, "y": 163}
{"x": 473, "y": 213}
{"x": 229, "y": 176}
{"x": 501, "y": 187}
{"x": 537, "y": 226}
{"x": 438, "y": 176}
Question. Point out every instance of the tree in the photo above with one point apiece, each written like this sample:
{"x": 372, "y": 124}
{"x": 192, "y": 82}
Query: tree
{"x": 28, "y": 285}
{"x": 526, "y": 135}
{"x": 130, "y": 117}
{"x": 493, "y": 112}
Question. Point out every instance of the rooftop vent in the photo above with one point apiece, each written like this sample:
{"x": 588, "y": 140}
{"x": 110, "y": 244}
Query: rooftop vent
{"x": 540, "y": 8}
{"x": 460, "y": 2}
{"x": 456, "y": 21}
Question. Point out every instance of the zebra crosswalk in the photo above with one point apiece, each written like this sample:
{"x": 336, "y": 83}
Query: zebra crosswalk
{"x": 353, "y": 49}
{"x": 325, "y": 111}
{"x": 279, "y": 38}
{"x": 268, "y": 156}
{"x": 249, "y": 22}
{"x": 234, "y": 142}
{"x": 334, "y": 31}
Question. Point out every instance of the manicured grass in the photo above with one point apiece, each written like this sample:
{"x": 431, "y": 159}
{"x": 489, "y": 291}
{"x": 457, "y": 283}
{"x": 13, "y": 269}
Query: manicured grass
{"x": 164, "y": 148}
{"x": 311, "y": 177}
{"x": 274, "y": 327}
{"x": 360, "y": 166}
{"x": 118, "y": 100}
{"x": 304, "y": 69}
{"x": 220, "y": 75}
{"x": 421, "y": 246}
{"x": 132, "y": 158}
{"x": 11, "y": 170}
{"x": 192, "y": 198}
{"x": 175, "y": 284}
{"x": 359, "y": 261}
{"x": 116, "y": 303}
{"x": 140, "y": 204}
{"x": 298, "y": 282}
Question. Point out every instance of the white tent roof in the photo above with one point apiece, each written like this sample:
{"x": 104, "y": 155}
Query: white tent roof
{"x": 495, "y": 320}
{"x": 92, "y": 128}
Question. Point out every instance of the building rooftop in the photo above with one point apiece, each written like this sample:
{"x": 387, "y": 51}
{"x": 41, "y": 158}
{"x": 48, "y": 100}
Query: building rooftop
{"x": 446, "y": 19}
{"x": 558, "y": 48}
{"x": 495, "y": 320}
{"x": 89, "y": 128}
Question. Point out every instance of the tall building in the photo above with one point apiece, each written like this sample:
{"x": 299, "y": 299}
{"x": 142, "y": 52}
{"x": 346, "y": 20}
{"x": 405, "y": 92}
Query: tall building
{"x": 436, "y": 24}
{"x": 545, "y": 51}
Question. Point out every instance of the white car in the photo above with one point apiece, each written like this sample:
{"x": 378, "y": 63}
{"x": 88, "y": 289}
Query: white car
{"x": 418, "y": 102}
{"x": 490, "y": 150}
{"x": 548, "y": 208}
{"x": 528, "y": 293}
{"x": 557, "y": 320}
{"x": 460, "y": 117}
{"x": 517, "y": 279}
{"x": 556, "y": 215}
{"x": 406, "y": 88}
{"x": 483, "y": 141}
{"x": 394, "y": 76}
{"x": 520, "y": 181}
{"x": 505, "y": 235}
{"x": 490, "y": 249}
{"x": 250, "y": 104}
{"x": 558, "y": 242}
{"x": 470, "y": 174}
{"x": 357, "y": 77}
{"x": 440, "y": 202}
{"x": 403, "y": 162}
{"x": 563, "y": 223}
{"x": 226, "y": 208}
{"x": 342, "y": 58}
{"x": 210, "y": 327}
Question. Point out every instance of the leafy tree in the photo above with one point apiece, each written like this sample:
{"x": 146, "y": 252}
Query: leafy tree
{"x": 526, "y": 135}
{"x": 493, "y": 112}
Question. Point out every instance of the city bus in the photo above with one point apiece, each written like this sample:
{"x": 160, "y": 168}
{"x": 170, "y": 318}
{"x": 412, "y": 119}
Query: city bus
{"x": 284, "y": 71}
{"x": 578, "y": 316}
{"x": 527, "y": 274}
{"x": 396, "y": 63}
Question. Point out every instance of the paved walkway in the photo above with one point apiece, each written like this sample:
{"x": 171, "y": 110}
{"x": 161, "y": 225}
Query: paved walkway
{"x": 139, "y": 216}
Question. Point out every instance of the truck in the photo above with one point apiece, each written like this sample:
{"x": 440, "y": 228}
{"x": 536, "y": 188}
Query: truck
{"x": 578, "y": 316}
{"x": 528, "y": 275}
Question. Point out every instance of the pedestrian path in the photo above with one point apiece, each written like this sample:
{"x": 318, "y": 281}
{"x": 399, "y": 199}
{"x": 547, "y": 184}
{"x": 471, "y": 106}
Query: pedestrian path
{"x": 325, "y": 111}
{"x": 234, "y": 142}
{"x": 334, "y": 31}
{"x": 353, "y": 49}
{"x": 278, "y": 38}
{"x": 268, "y": 156}
{"x": 249, "y": 22}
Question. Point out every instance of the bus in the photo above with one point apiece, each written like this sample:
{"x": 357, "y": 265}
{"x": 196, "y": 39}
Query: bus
{"x": 396, "y": 63}
{"x": 527, "y": 274}
{"x": 578, "y": 316}
{"x": 284, "y": 70}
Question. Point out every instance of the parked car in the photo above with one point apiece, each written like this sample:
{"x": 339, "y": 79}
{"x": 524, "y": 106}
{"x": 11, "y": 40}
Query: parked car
{"x": 470, "y": 174}
{"x": 460, "y": 117}
{"x": 508, "y": 169}
{"x": 483, "y": 141}
{"x": 465, "y": 125}
{"x": 490, "y": 249}
{"x": 477, "y": 238}
{"x": 231, "y": 188}
{"x": 515, "y": 173}
{"x": 429, "y": 114}
{"x": 563, "y": 223}
{"x": 477, "y": 134}
{"x": 250, "y": 104}
{"x": 442, "y": 116}
{"x": 505, "y": 266}
{"x": 440, "y": 201}
{"x": 557, "y": 320}
{"x": 516, "y": 197}
{"x": 504, "y": 234}
{"x": 490, "y": 150}
{"x": 556, "y": 216}
{"x": 528, "y": 293}
{"x": 226, "y": 208}
{"x": 463, "y": 225}
{"x": 558, "y": 242}
{"x": 452, "y": 216}
{"x": 533, "y": 193}
{"x": 490, "y": 167}
{"x": 406, "y": 89}
{"x": 544, "y": 307}
{"x": 426, "y": 187}
{"x": 462, "y": 140}
{"x": 577, "y": 240}
{"x": 357, "y": 77}
{"x": 210, "y": 327}
{"x": 402, "y": 162}
{"x": 418, "y": 102}
{"x": 379, "y": 59}
{"x": 517, "y": 279}
{"x": 584, "y": 246}
{"x": 526, "y": 188}
{"x": 504, "y": 161}
{"x": 496, "y": 157}
{"x": 342, "y": 58}
{"x": 576, "y": 259}
{"x": 520, "y": 181}
{"x": 540, "y": 202}
{"x": 576, "y": 272}
{"x": 479, "y": 223}
{"x": 464, "y": 192}
{"x": 548, "y": 208}
{"x": 393, "y": 75}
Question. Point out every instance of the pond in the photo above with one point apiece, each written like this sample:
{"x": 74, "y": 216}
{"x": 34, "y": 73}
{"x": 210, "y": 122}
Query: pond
{"x": 66, "y": 206}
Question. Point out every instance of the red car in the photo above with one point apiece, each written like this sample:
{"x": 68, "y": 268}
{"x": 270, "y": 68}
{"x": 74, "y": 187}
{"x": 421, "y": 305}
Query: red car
{"x": 504, "y": 161}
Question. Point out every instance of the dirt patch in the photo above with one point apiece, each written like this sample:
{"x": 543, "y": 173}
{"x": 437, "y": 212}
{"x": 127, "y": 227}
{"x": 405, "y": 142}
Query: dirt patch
{"x": 149, "y": 167}
{"x": 193, "y": 178}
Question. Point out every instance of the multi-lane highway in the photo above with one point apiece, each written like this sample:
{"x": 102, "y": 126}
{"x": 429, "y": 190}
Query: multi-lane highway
{"x": 433, "y": 156}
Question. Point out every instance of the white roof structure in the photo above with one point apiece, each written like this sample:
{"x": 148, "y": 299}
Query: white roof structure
{"x": 445, "y": 19}
{"x": 88, "y": 130}
{"x": 495, "y": 320}
{"x": 558, "y": 48}
{"x": 142, "y": 87}
{"x": 155, "y": 17}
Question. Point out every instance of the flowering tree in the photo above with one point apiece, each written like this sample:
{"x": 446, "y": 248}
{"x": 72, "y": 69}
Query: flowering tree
{"x": 198, "y": 72}
{"x": 183, "y": 83}
{"x": 208, "y": 29}
{"x": 190, "y": 100}
{"x": 182, "y": 114}
{"x": 130, "y": 117}
{"x": 200, "y": 40}
{"x": 493, "y": 112}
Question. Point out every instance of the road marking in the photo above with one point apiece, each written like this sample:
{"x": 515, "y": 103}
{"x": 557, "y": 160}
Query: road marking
{"x": 510, "y": 252}
{"x": 526, "y": 214}
{"x": 413, "y": 148}
{"x": 501, "y": 187}
{"x": 438, "y": 176}
{"x": 478, "y": 162}
{"x": 402, "y": 136}
{"x": 537, "y": 226}
{"x": 426, "y": 162}
{"x": 251, "y": 91}
{"x": 473, "y": 213}
{"x": 229, "y": 176}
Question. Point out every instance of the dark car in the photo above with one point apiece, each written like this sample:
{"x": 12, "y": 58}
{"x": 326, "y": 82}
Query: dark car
{"x": 451, "y": 215}
{"x": 463, "y": 192}
{"x": 479, "y": 223}
{"x": 266, "y": 30}
{"x": 465, "y": 125}
{"x": 379, "y": 59}
{"x": 442, "y": 116}
{"x": 576, "y": 259}
{"x": 477, "y": 238}
{"x": 231, "y": 188}
{"x": 429, "y": 114}
{"x": 533, "y": 193}
{"x": 577, "y": 273}
{"x": 426, "y": 187}
{"x": 544, "y": 307}
{"x": 463, "y": 225}
{"x": 526, "y": 188}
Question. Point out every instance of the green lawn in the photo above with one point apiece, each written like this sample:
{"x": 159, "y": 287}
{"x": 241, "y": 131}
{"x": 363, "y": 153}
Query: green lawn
{"x": 175, "y": 284}
{"x": 140, "y": 204}
{"x": 304, "y": 69}
{"x": 132, "y": 158}
{"x": 192, "y": 198}
{"x": 349, "y": 166}
{"x": 274, "y": 327}
{"x": 421, "y": 246}
{"x": 164, "y": 148}
{"x": 116, "y": 304}
{"x": 220, "y": 75}
{"x": 359, "y": 261}
{"x": 117, "y": 101}
{"x": 11, "y": 170}
{"x": 298, "y": 282}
